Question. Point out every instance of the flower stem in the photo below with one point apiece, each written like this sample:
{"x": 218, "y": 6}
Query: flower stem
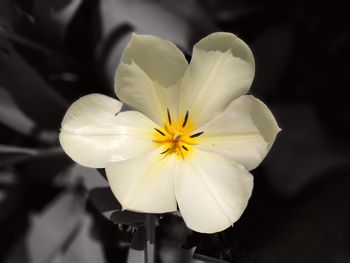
{"x": 150, "y": 231}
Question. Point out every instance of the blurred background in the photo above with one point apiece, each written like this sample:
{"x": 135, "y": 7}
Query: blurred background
{"x": 54, "y": 51}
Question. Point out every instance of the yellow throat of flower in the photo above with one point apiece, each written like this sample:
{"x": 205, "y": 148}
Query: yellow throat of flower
{"x": 176, "y": 137}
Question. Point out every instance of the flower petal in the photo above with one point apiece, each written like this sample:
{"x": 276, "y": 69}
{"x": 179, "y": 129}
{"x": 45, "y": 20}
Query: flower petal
{"x": 92, "y": 134}
{"x": 244, "y": 131}
{"x": 212, "y": 191}
{"x": 223, "y": 41}
{"x": 222, "y": 69}
{"x": 264, "y": 121}
{"x": 149, "y": 74}
{"x": 145, "y": 183}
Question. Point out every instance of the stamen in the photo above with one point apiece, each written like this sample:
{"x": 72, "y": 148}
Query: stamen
{"x": 165, "y": 151}
{"x": 196, "y": 134}
{"x": 169, "y": 118}
{"x": 162, "y": 133}
{"x": 185, "y": 120}
{"x": 177, "y": 138}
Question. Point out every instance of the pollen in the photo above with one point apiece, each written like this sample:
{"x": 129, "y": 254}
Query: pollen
{"x": 177, "y": 136}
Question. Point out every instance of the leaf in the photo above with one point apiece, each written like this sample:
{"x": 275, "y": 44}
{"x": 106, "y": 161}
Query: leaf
{"x": 31, "y": 93}
{"x": 10, "y": 155}
{"x": 11, "y": 116}
{"x": 103, "y": 199}
{"x": 54, "y": 17}
{"x": 18, "y": 253}
{"x": 84, "y": 249}
{"x": 11, "y": 194}
{"x": 98, "y": 188}
{"x": 147, "y": 18}
{"x": 58, "y": 224}
{"x": 142, "y": 243}
{"x": 209, "y": 247}
{"x": 45, "y": 166}
{"x": 138, "y": 239}
{"x": 6, "y": 149}
{"x": 120, "y": 18}
{"x": 128, "y": 218}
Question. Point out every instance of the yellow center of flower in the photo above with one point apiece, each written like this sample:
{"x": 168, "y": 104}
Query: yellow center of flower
{"x": 176, "y": 137}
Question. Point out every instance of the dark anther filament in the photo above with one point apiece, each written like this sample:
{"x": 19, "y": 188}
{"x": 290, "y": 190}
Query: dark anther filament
{"x": 169, "y": 118}
{"x": 196, "y": 134}
{"x": 162, "y": 133}
{"x": 184, "y": 147}
{"x": 165, "y": 151}
{"x": 185, "y": 120}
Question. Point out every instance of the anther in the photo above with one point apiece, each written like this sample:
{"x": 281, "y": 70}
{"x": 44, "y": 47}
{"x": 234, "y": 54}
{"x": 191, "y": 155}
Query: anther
{"x": 165, "y": 151}
{"x": 185, "y": 120}
{"x": 169, "y": 118}
{"x": 162, "y": 133}
{"x": 184, "y": 147}
{"x": 196, "y": 134}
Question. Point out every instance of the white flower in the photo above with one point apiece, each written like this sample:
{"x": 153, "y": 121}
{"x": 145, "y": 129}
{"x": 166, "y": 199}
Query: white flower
{"x": 193, "y": 138}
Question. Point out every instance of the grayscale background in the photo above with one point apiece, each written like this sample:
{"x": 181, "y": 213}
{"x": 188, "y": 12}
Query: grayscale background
{"x": 54, "y": 51}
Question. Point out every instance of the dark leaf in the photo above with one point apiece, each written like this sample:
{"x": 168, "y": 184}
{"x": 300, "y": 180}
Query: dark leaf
{"x": 99, "y": 191}
{"x": 11, "y": 116}
{"x": 102, "y": 171}
{"x": 18, "y": 253}
{"x": 11, "y": 154}
{"x": 141, "y": 17}
{"x": 45, "y": 166}
{"x": 138, "y": 240}
{"x": 30, "y": 92}
{"x": 104, "y": 200}
{"x": 11, "y": 194}
{"x": 55, "y": 226}
{"x": 53, "y": 17}
{"x": 84, "y": 249}
{"x": 128, "y": 218}
{"x": 209, "y": 247}
{"x": 142, "y": 243}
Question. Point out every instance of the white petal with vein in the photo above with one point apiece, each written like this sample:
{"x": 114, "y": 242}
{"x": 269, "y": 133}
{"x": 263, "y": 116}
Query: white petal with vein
{"x": 223, "y": 41}
{"x": 94, "y": 132}
{"x": 244, "y": 131}
{"x": 149, "y": 74}
{"x": 212, "y": 191}
{"x": 222, "y": 69}
{"x": 145, "y": 183}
